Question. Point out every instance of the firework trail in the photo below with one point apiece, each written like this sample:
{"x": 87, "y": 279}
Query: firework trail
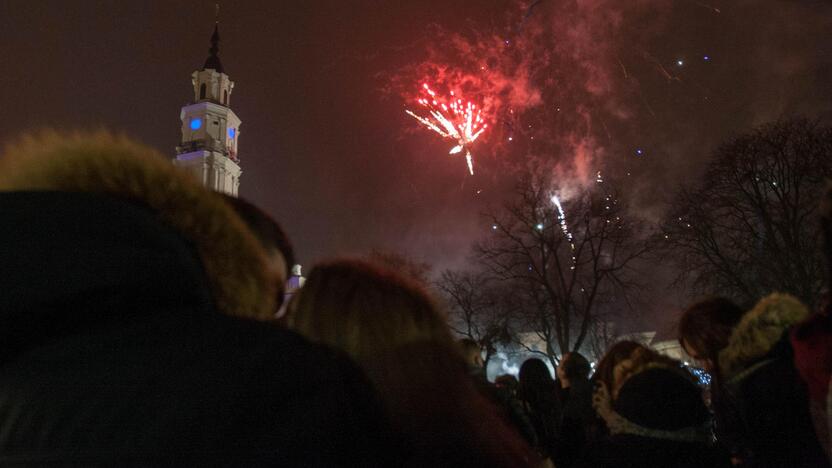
{"x": 562, "y": 220}
{"x": 453, "y": 119}
{"x": 565, "y": 228}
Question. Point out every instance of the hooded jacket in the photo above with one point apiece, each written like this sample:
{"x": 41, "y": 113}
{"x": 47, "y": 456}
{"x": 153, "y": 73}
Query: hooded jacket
{"x": 763, "y": 401}
{"x": 655, "y": 417}
{"x": 132, "y": 325}
{"x": 812, "y": 344}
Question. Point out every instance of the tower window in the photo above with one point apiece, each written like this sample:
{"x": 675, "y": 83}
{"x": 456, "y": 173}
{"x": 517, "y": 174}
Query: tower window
{"x": 196, "y": 124}
{"x": 202, "y": 91}
{"x": 225, "y": 97}
{"x": 232, "y": 133}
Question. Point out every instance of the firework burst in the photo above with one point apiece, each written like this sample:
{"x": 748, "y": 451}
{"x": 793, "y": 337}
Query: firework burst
{"x": 452, "y": 118}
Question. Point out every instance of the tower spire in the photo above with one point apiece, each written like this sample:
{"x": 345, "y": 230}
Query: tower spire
{"x": 210, "y": 129}
{"x": 213, "y": 61}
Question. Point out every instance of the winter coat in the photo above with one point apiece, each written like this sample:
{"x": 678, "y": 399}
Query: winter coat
{"x": 812, "y": 344}
{"x": 508, "y": 406}
{"x": 657, "y": 419}
{"x": 632, "y": 451}
{"x": 543, "y": 410}
{"x": 130, "y": 300}
{"x": 575, "y": 423}
{"x": 764, "y": 398}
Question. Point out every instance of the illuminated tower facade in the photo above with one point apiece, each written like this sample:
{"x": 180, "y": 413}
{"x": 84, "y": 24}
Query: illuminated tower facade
{"x": 210, "y": 129}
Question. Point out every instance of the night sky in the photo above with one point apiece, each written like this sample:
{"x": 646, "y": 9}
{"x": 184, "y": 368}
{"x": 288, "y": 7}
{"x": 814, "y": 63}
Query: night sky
{"x": 321, "y": 89}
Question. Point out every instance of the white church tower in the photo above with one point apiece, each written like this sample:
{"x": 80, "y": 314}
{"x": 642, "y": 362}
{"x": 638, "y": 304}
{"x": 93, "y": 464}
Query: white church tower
{"x": 210, "y": 129}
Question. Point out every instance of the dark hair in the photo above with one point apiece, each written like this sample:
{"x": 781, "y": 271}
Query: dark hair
{"x": 507, "y": 381}
{"x": 604, "y": 372}
{"x": 575, "y": 366}
{"x": 534, "y": 374}
{"x": 537, "y": 391}
{"x": 707, "y": 326}
{"x": 264, "y": 228}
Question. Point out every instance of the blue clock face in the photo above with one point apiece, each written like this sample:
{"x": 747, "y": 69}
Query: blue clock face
{"x": 196, "y": 124}
{"x": 232, "y": 133}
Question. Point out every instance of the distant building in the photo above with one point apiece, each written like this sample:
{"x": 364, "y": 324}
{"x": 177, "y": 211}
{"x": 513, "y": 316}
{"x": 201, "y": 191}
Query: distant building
{"x": 210, "y": 129}
{"x": 210, "y": 135}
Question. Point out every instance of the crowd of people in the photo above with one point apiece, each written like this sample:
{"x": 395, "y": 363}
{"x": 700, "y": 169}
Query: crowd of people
{"x": 143, "y": 324}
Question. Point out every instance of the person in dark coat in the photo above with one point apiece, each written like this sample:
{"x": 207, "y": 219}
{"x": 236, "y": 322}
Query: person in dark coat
{"x": 508, "y": 384}
{"x": 766, "y": 401}
{"x": 604, "y": 375}
{"x": 812, "y": 344}
{"x": 280, "y": 256}
{"x": 655, "y": 417}
{"x": 759, "y": 402}
{"x": 132, "y": 326}
{"x": 506, "y": 402}
{"x": 705, "y": 329}
{"x": 536, "y": 392}
{"x": 574, "y": 390}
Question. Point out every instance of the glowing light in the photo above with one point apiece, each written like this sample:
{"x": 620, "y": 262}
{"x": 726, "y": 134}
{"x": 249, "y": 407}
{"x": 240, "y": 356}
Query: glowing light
{"x": 196, "y": 124}
{"x": 680, "y": 62}
{"x": 494, "y": 227}
{"x": 563, "y": 226}
{"x": 512, "y": 369}
{"x": 639, "y": 151}
{"x": 232, "y": 133}
{"x": 706, "y": 58}
{"x": 453, "y": 119}
{"x": 539, "y": 226}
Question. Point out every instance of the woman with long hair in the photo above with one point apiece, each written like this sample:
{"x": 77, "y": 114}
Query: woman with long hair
{"x": 760, "y": 402}
{"x": 390, "y": 327}
{"x": 537, "y": 392}
{"x": 605, "y": 375}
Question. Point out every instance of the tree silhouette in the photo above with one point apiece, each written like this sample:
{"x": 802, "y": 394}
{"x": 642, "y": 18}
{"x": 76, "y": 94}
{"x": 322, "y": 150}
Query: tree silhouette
{"x": 479, "y": 308}
{"x": 566, "y": 267}
{"x": 749, "y": 226}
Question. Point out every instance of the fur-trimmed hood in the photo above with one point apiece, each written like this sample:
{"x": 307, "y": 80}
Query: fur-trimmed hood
{"x": 101, "y": 163}
{"x": 759, "y": 331}
{"x": 653, "y": 397}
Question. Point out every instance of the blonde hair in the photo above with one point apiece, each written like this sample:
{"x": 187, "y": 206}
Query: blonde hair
{"x": 392, "y": 329}
{"x": 364, "y": 310}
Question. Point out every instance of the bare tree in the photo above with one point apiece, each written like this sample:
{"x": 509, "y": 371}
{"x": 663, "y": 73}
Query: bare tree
{"x": 568, "y": 265}
{"x": 479, "y": 309}
{"x": 603, "y": 334}
{"x": 749, "y": 225}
